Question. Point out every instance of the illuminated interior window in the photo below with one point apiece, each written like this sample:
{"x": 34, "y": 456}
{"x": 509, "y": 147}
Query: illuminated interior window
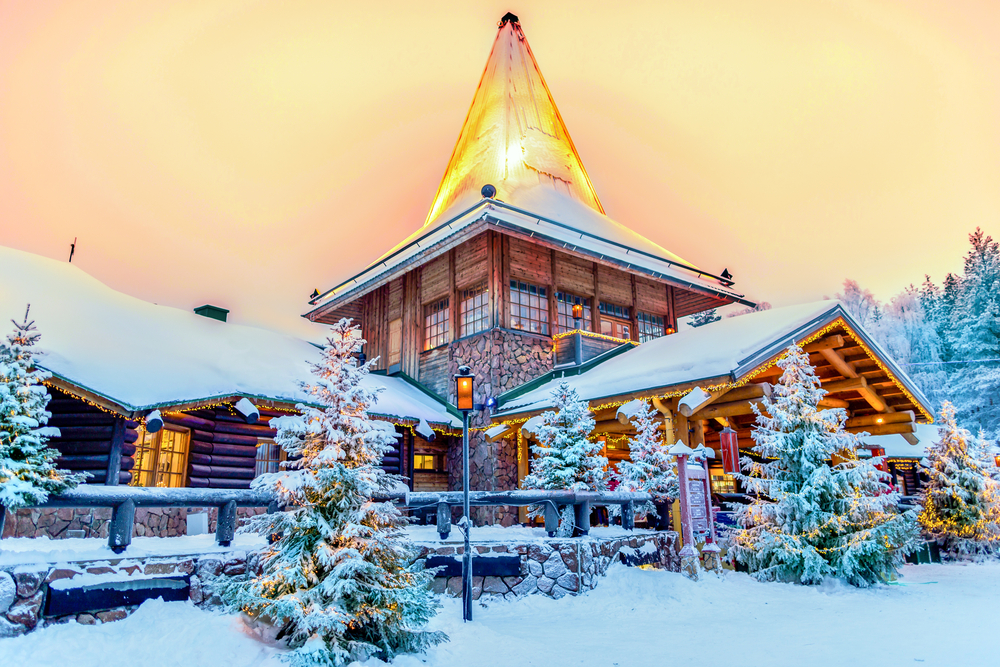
{"x": 436, "y": 317}
{"x": 564, "y": 312}
{"x": 616, "y": 320}
{"x": 650, "y": 326}
{"x": 269, "y": 457}
{"x": 474, "y": 309}
{"x": 161, "y": 458}
{"x": 529, "y": 308}
{"x": 423, "y": 462}
{"x": 723, "y": 483}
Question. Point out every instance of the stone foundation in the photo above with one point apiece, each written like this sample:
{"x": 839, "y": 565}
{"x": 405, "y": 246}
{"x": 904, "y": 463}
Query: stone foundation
{"x": 555, "y": 567}
{"x": 22, "y": 612}
{"x": 149, "y": 521}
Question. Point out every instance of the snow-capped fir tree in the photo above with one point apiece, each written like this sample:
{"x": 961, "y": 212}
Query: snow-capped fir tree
{"x": 650, "y": 468}
{"x": 961, "y": 501}
{"x": 809, "y": 520}
{"x": 705, "y": 317}
{"x": 337, "y": 578}
{"x": 28, "y": 473}
{"x": 564, "y": 457}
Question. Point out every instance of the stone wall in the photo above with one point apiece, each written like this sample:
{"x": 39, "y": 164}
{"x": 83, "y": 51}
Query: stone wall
{"x": 149, "y": 521}
{"x": 500, "y": 360}
{"x": 22, "y": 611}
{"x": 555, "y": 568}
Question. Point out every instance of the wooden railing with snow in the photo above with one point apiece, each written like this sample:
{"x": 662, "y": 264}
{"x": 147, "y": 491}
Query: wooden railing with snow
{"x": 123, "y": 501}
{"x": 550, "y": 501}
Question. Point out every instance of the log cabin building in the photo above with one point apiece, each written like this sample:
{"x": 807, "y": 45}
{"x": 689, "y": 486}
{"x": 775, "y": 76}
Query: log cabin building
{"x": 149, "y": 395}
{"x": 515, "y": 237}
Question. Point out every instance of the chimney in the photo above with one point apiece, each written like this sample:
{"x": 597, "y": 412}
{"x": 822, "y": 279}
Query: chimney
{"x": 213, "y": 312}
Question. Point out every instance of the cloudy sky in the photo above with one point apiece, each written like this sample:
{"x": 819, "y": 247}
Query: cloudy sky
{"x": 244, "y": 153}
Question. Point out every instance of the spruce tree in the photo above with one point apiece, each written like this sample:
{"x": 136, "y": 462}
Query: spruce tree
{"x": 961, "y": 501}
{"x": 809, "y": 520}
{"x": 337, "y": 579}
{"x": 28, "y": 473}
{"x": 650, "y": 468}
{"x": 565, "y": 459}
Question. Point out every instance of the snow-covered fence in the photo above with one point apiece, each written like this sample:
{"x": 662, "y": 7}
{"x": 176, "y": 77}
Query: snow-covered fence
{"x": 551, "y": 501}
{"x": 123, "y": 501}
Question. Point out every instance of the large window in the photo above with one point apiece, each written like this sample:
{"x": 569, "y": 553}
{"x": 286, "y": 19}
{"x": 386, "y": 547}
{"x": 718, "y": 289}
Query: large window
{"x": 529, "y": 308}
{"x": 474, "y": 310}
{"x": 161, "y": 457}
{"x": 650, "y": 326}
{"x": 723, "y": 483}
{"x": 436, "y": 316}
{"x": 616, "y": 320}
{"x": 564, "y": 312}
{"x": 269, "y": 457}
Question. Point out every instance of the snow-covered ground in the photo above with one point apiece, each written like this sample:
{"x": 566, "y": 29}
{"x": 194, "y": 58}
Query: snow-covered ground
{"x": 25, "y": 550}
{"x": 936, "y": 615}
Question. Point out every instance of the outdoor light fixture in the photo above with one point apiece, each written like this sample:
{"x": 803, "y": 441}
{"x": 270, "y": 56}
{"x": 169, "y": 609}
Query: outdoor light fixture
{"x": 671, "y": 330}
{"x": 464, "y": 392}
{"x": 730, "y": 451}
{"x": 491, "y": 403}
{"x": 996, "y": 460}
{"x": 577, "y": 311}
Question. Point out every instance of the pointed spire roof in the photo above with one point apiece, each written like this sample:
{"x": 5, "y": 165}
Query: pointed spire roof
{"x": 513, "y": 137}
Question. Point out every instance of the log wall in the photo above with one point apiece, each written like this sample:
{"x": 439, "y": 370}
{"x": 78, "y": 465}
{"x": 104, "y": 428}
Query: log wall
{"x": 223, "y": 448}
{"x": 88, "y": 436}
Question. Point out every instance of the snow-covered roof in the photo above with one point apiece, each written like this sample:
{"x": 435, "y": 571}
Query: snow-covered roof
{"x": 540, "y": 213}
{"x": 730, "y": 348}
{"x": 141, "y": 356}
{"x": 514, "y": 139}
{"x": 927, "y": 435}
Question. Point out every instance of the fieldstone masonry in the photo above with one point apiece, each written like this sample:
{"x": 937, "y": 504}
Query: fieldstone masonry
{"x": 149, "y": 521}
{"x": 500, "y": 360}
{"x": 555, "y": 568}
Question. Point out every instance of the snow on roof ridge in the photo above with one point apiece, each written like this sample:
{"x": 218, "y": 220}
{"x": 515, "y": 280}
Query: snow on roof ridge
{"x": 142, "y": 356}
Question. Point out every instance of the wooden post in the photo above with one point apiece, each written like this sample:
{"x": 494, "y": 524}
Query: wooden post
{"x": 581, "y": 513}
{"x": 115, "y": 453}
{"x": 122, "y": 522}
{"x": 551, "y": 518}
{"x": 699, "y": 432}
{"x": 681, "y": 425}
{"x": 628, "y": 516}
{"x": 226, "y": 524}
{"x": 443, "y": 520}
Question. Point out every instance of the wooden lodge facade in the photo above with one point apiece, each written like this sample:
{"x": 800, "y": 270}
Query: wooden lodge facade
{"x": 511, "y": 245}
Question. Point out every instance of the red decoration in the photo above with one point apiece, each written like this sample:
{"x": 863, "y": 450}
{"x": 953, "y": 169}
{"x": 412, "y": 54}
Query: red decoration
{"x": 730, "y": 451}
{"x": 879, "y": 452}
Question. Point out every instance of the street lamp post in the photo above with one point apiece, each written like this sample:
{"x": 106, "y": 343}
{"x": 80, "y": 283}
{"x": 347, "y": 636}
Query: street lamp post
{"x": 464, "y": 385}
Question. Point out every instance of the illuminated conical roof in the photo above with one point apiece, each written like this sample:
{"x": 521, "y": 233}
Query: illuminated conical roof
{"x": 513, "y": 137}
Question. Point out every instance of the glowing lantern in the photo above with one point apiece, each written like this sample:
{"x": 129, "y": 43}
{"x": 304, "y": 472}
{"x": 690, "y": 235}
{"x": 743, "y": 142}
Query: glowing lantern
{"x": 464, "y": 389}
{"x": 730, "y": 451}
{"x": 577, "y": 313}
{"x": 996, "y": 460}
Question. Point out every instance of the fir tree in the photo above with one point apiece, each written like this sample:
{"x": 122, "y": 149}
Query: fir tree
{"x": 809, "y": 520}
{"x": 28, "y": 473}
{"x": 337, "y": 578}
{"x": 961, "y": 502}
{"x": 650, "y": 468}
{"x": 564, "y": 458}
{"x": 704, "y": 317}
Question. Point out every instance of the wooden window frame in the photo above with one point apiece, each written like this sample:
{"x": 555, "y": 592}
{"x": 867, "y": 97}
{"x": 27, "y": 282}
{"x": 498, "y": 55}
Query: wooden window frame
{"x": 564, "y": 312}
{"x": 437, "y": 323}
{"x": 282, "y": 456}
{"x": 650, "y": 326}
{"x": 537, "y": 315}
{"x": 156, "y": 440}
{"x": 474, "y": 309}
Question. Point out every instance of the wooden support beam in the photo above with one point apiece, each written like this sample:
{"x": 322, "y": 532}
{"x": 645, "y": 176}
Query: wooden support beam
{"x": 828, "y": 343}
{"x": 827, "y": 403}
{"x": 729, "y": 409}
{"x": 885, "y": 429}
{"x": 748, "y": 391}
{"x": 687, "y": 409}
{"x": 870, "y": 394}
{"x": 850, "y": 384}
{"x": 887, "y": 418}
{"x": 615, "y": 426}
{"x": 838, "y": 362}
{"x": 668, "y": 420}
{"x": 698, "y": 432}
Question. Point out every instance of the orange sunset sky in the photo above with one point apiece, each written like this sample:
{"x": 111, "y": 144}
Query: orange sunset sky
{"x": 244, "y": 153}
